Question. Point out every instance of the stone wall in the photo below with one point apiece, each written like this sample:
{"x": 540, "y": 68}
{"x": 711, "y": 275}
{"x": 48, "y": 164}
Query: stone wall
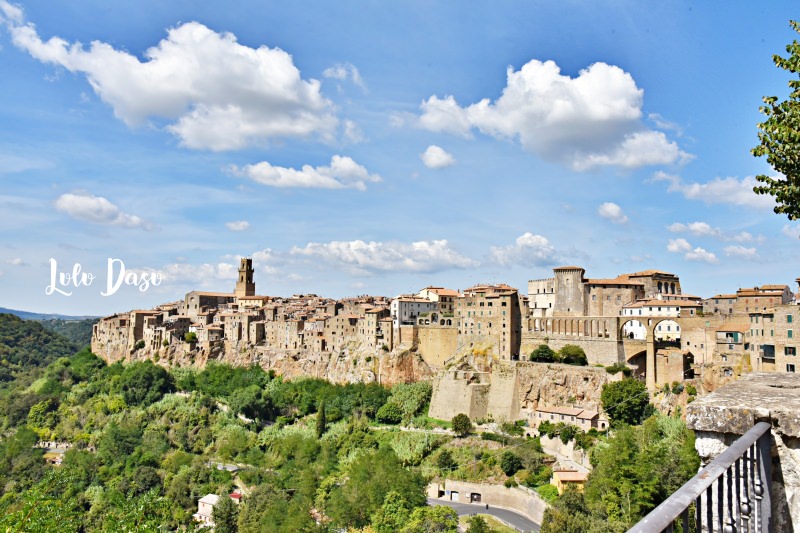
{"x": 525, "y": 502}
{"x": 604, "y": 351}
{"x": 437, "y": 344}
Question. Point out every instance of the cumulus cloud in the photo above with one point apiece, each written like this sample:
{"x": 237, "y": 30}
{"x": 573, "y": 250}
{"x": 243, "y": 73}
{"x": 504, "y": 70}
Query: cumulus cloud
{"x": 613, "y": 212}
{"x": 343, "y": 72}
{"x": 213, "y": 92}
{"x": 678, "y": 246}
{"x": 718, "y": 191}
{"x": 682, "y": 246}
{"x": 701, "y": 255}
{"x": 741, "y": 252}
{"x": 97, "y": 210}
{"x": 435, "y": 157}
{"x": 793, "y": 232}
{"x": 528, "y": 249}
{"x": 592, "y": 120}
{"x": 360, "y": 256}
{"x": 343, "y": 173}
{"x": 700, "y": 229}
{"x": 238, "y": 225}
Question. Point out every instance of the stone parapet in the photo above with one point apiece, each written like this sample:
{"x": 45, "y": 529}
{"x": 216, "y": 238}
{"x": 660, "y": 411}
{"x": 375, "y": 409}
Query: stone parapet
{"x": 720, "y": 418}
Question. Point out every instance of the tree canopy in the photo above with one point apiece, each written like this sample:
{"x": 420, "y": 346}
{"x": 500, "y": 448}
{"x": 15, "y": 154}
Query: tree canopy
{"x": 779, "y": 138}
{"x": 625, "y": 401}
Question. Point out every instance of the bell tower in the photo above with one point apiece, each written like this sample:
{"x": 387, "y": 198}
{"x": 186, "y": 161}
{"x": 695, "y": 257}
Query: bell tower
{"x": 244, "y": 284}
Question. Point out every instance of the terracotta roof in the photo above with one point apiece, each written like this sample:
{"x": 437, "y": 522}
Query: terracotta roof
{"x": 568, "y": 268}
{"x": 649, "y": 273}
{"x": 570, "y": 411}
{"x": 571, "y": 476}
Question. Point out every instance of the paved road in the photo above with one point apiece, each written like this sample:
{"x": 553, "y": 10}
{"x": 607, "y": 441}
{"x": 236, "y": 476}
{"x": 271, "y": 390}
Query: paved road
{"x": 517, "y": 520}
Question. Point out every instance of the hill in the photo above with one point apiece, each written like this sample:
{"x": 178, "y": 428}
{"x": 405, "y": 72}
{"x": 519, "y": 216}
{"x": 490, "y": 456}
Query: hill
{"x": 26, "y": 343}
{"x": 28, "y": 315}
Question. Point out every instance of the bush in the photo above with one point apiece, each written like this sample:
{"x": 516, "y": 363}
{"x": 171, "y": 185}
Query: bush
{"x": 510, "y": 463}
{"x": 543, "y": 354}
{"x": 567, "y": 433}
{"x": 619, "y": 367}
{"x": 549, "y": 493}
{"x": 190, "y": 337}
{"x": 572, "y": 354}
{"x": 462, "y": 426}
{"x": 389, "y": 413}
{"x": 677, "y": 388}
{"x": 691, "y": 390}
{"x": 445, "y": 461}
{"x": 139, "y": 344}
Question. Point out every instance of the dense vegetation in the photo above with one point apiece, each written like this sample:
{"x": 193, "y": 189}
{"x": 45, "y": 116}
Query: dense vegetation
{"x": 146, "y": 443}
{"x": 24, "y": 344}
{"x": 79, "y": 332}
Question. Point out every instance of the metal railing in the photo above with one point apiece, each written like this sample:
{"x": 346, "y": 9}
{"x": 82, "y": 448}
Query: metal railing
{"x": 731, "y": 494}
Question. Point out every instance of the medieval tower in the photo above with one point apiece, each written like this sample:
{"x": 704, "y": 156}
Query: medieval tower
{"x": 245, "y": 285}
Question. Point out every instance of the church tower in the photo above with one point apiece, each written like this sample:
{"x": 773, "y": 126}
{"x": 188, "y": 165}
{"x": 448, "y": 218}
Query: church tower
{"x": 245, "y": 285}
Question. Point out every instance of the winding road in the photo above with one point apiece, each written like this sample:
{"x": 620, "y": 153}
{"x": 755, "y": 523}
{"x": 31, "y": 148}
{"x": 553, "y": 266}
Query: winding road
{"x": 512, "y": 518}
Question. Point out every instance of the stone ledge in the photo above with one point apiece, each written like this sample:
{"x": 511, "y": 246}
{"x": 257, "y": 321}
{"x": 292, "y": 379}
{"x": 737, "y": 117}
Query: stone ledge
{"x": 737, "y": 406}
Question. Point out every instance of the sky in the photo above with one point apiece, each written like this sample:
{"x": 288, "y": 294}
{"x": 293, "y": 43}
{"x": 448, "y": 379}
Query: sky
{"x": 377, "y": 147}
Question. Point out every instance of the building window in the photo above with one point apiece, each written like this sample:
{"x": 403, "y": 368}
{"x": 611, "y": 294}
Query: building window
{"x": 790, "y": 368}
{"x": 594, "y": 297}
{"x": 790, "y": 350}
{"x": 789, "y": 333}
{"x": 789, "y": 319}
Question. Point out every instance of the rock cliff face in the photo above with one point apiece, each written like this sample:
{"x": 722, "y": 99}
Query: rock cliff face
{"x": 554, "y": 385}
{"x": 349, "y": 365}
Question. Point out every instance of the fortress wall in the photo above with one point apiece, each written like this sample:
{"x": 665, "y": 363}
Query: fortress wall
{"x": 437, "y": 344}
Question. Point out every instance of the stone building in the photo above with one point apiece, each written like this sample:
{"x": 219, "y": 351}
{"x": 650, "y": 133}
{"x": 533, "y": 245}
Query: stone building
{"x": 491, "y": 315}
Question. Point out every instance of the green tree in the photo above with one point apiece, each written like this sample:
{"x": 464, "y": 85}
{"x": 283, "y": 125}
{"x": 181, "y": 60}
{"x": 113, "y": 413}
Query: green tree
{"x": 779, "y": 138}
{"x": 510, "y": 463}
{"x": 143, "y": 383}
{"x": 438, "y": 519}
{"x": 322, "y": 421}
{"x": 389, "y": 413}
{"x": 478, "y": 524}
{"x": 225, "y": 514}
{"x": 573, "y": 354}
{"x": 393, "y": 514}
{"x": 543, "y": 354}
{"x": 462, "y": 426}
{"x": 445, "y": 461}
{"x": 190, "y": 336}
{"x": 625, "y": 401}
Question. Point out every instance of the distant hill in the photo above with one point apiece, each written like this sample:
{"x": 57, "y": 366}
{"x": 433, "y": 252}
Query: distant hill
{"x": 27, "y": 315}
{"x": 27, "y": 343}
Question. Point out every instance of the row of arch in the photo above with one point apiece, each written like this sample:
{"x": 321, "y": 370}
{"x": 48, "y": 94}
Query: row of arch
{"x": 591, "y": 327}
{"x": 666, "y": 287}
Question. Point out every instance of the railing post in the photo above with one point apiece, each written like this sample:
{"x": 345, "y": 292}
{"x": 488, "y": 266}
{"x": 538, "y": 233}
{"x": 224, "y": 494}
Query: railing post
{"x": 763, "y": 488}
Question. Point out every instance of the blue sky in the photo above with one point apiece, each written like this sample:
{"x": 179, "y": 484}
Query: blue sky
{"x": 376, "y": 147}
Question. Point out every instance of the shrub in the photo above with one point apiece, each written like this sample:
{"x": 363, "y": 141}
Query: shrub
{"x": 619, "y": 367}
{"x": 445, "y": 460}
{"x": 572, "y": 354}
{"x": 139, "y": 344}
{"x": 543, "y": 354}
{"x": 549, "y": 493}
{"x": 677, "y": 388}
{"x": 462, "y": 426}
{"x": 691, "y": 390}
{"x": 510, "y": 463}
{"x": 190, "y": 337}
{"x": 389, "y": 413}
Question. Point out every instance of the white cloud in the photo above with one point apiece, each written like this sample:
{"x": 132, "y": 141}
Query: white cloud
{"x": 352, "y": 132}
{"x": 700, "y": 229}
{"x": 421, "y": 256}
{"x": 528, "y": 249}
{"x": 213, "y": 92}
{"x": 343, "y": 173}
{"x": 613, "y": 212}
{"x": 592, "y": 120}
{"x": 701, "y": 255}
{"x": 345, "y": 71}
{"x": 238, "y": 225}
{"x": 719, "y": 191}
{"x": 741, "y": 252}
{"x": 435, "y": 157}
{"x": 15, "y": 261}
{"x": 682, "y": 246}
{"x": 678, "y": 246}
{"x": 97, "y": 210}
{"x": 793, "y": 232}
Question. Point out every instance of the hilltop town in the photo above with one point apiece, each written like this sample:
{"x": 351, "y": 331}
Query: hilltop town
{"x": 475, "y": 343}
